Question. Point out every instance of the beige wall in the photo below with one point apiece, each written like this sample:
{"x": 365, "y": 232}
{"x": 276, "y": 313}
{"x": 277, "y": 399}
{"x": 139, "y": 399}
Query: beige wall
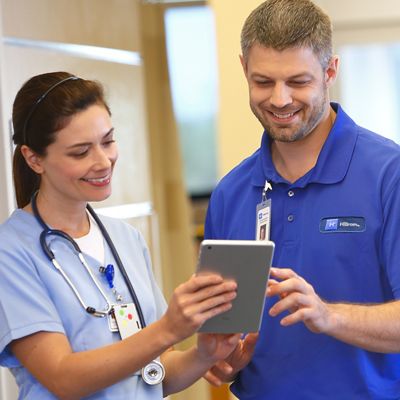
{"x": 239, "y": 132}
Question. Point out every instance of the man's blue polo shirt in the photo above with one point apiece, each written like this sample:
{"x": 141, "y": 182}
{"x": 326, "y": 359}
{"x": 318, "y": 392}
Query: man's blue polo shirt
{"x": 338, "y": 227}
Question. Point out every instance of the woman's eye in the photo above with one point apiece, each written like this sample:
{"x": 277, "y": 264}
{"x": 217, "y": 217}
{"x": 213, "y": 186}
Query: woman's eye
{"x": 80, "y": 154}
{"x": 108, "y": 142}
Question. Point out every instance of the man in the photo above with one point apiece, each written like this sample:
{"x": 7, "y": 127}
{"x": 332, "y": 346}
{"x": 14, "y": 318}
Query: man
{"x": 331, "y": 326}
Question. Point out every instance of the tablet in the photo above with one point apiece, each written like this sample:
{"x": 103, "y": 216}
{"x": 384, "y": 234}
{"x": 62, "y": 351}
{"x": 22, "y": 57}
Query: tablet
{"x": 248, "y": 263}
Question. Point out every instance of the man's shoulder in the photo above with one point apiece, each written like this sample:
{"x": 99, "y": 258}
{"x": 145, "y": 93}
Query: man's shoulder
{"x": 372, "y": 144}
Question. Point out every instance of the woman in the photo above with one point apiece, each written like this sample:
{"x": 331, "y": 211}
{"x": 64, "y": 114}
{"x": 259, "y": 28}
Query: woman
{"x": 70, "y": 327}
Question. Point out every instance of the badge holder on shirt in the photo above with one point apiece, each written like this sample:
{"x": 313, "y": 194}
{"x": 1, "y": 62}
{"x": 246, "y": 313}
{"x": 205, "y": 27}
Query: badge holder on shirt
{"x": 124, "y": 319}
{"x": 263, "y": 215}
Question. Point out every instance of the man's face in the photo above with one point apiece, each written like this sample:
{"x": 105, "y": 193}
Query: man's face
{"x": 288, "y": 90}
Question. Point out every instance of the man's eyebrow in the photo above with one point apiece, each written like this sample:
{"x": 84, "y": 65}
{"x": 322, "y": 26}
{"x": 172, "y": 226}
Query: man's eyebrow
{"x": 304, "y": 74}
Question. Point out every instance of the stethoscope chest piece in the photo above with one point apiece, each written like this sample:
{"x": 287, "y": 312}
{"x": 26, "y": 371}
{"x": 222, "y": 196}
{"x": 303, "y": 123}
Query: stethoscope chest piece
{"x": 153, "y": 373}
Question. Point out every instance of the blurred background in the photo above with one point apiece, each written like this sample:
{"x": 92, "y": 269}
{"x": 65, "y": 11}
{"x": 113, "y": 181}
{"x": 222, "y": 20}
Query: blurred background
{"x": 179, "y": 101}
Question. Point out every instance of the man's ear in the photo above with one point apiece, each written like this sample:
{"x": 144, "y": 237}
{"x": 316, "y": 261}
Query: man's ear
{"x": 244, "y": 64}
{"x": 332, "y": 71}
{"x": 32, "y": 159}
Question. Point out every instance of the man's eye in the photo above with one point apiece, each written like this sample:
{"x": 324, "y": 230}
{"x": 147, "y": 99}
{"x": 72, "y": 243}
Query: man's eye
{"x": 299, "y": 83}
{"x": 263, "y": 83}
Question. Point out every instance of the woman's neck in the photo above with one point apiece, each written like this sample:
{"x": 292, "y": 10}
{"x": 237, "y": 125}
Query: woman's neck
{"x": 69, "y": 217}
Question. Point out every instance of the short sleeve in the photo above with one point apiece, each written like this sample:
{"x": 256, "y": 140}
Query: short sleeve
{"x": 25, "y": 304}
{"x": 390, "y": 239}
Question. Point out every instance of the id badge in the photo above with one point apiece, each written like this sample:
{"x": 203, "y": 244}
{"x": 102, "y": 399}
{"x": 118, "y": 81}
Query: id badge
{"x": 263, "y": 220}
{"x": 112, "y": 322}
{"x": 127, "y": 319}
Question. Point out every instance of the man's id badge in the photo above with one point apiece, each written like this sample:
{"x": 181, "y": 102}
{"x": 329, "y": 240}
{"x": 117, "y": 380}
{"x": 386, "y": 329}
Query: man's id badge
{"x": 263, "y": 220}
{"x": 127, "y": 319}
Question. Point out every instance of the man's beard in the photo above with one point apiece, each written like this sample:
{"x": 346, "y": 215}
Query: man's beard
{"x": 303, "y": 130}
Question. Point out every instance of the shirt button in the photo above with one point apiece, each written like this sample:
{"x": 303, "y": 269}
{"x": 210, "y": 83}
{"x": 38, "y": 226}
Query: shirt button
{"x": 290, "y": 193}
{"x": 290, "y": 218}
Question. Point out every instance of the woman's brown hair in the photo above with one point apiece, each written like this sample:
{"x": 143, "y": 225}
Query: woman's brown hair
{"x": 43, "y": 106}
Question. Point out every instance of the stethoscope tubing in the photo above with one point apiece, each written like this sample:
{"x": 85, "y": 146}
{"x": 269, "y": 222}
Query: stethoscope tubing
{"x": 47, "y": 231}
{"x": 43, "y": 242}
{"x": 120, "y": 264}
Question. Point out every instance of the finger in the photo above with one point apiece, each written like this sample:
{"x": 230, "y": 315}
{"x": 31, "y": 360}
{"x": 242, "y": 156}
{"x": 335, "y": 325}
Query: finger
{"x": 234, "y": 339}
{"x": 221, "y": 372}
{"x": 200, "y": 287}
{"x": 249, "y": 344}
{"x": 221, "y": 369}
{"x": 212, "y": 302}
{"x": 291, "y": 303}
{"x": 205, "y": 315}
{"x": 212, "y": 291}
{"x": 297, "y": 284}
{"x": 301, "y": 315}
{"x": 196, "y": 282}
{"x": 209, "y": 297}
{"x": 282, "y": 273}
{"x": 212, "y": 379}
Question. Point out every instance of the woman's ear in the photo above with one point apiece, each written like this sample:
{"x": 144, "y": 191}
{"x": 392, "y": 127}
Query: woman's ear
{"x": 32, "y": 159}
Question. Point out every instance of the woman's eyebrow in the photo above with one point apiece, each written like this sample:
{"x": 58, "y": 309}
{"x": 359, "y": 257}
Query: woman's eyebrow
{"x": 110, "y": 132}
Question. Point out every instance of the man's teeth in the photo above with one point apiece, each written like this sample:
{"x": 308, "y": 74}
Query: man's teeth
{"x": 283, "y": 116}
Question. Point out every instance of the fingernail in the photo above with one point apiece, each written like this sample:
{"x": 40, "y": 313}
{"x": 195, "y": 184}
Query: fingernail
{"x": 272, "y": 312}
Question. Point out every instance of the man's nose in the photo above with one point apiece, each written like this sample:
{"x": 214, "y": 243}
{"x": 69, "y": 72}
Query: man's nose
{"x": 281, "y": 95}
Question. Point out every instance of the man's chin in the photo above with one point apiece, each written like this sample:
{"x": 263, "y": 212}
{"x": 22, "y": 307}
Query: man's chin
{"x": 284, "y": 137}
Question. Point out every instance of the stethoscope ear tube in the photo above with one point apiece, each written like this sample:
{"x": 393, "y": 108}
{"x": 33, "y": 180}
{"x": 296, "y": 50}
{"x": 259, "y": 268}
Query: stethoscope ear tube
{"x": 45, "y": 246}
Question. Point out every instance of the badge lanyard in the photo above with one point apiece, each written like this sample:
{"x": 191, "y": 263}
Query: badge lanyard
{"x": 263, "y": 215}
{"x": 127, "y": 319}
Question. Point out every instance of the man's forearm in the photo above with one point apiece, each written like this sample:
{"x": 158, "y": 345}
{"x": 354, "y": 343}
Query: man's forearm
{"x": 371, "y": 327}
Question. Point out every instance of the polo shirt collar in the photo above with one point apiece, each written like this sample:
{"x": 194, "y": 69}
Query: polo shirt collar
{"x": 333, "y": 160}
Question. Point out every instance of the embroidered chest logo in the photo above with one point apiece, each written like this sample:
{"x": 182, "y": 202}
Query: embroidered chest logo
{"x": 342, "y": 224}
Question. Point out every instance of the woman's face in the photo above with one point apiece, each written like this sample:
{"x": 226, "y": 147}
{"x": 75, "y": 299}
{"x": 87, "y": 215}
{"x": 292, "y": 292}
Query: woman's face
{"x": 78, "y": 165}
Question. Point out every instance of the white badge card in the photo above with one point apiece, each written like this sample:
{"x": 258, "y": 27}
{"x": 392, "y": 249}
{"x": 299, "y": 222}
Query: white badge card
{"x": 127, "y": 319}
{"x": 263, "y": 220}
{"x": 112, "y": 322}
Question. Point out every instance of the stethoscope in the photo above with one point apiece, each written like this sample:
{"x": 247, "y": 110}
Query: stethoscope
{"x": 154, "y": 372}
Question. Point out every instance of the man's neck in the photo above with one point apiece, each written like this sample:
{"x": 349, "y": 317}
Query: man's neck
{"x": 293, "y": 160}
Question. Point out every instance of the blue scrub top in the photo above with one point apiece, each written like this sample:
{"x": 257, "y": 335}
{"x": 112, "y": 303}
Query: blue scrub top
{"x": 34, "y": 297}
{"x": 337, "y": 226}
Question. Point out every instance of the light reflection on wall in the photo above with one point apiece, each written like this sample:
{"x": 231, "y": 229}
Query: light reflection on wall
{"x": 193, "y": 74}
{"x": 370, "y": 86}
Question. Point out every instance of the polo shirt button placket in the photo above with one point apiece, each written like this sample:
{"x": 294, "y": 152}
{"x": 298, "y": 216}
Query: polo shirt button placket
{"x": 290, "y": 217}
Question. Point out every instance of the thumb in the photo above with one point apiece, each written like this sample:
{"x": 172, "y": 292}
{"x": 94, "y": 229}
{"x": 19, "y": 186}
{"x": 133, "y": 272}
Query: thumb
{"x": 249, "y": 343}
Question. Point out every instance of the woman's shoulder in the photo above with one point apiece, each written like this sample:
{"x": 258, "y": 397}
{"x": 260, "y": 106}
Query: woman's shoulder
{"x": 19, "y": 226}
